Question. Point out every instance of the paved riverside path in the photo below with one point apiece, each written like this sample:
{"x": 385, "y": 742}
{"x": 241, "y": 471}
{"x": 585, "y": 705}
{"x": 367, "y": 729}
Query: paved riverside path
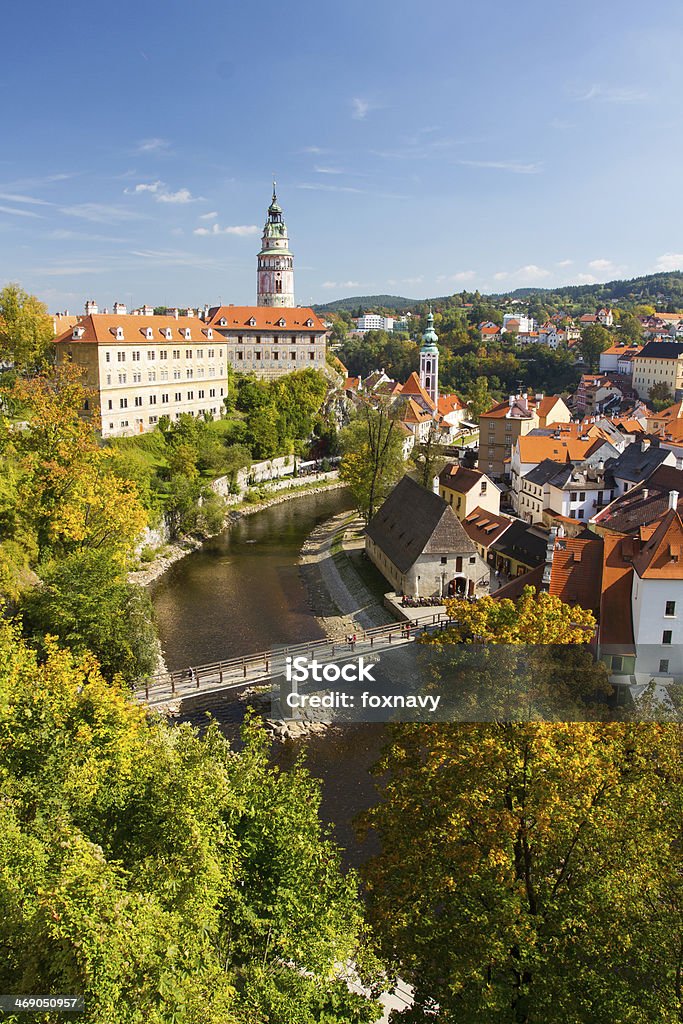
{"x": 261, "y": 668}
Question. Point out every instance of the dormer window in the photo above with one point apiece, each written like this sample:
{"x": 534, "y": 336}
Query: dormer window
{"x": 119, "y": 333}
{"x": 78, "y": 333}
{"x": 209, "y": 334}
{"x": 222, "y": 322}
{"x": 149, "y": 333}
{"x": 281, "y": 322}
{"x": 252, "y": 322}
{"x": 309, "y": 322}
{"x": 188, "y": 334}
{"x": 167, "y": 333}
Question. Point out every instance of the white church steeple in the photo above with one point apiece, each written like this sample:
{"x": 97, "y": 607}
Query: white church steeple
{"x": 275, "y": 276}
{"x": 429, "y": 361}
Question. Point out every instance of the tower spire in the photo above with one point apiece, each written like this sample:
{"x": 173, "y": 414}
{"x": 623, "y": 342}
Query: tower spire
{"x": 275, "y": 274}
{"x": 429, "y": 360}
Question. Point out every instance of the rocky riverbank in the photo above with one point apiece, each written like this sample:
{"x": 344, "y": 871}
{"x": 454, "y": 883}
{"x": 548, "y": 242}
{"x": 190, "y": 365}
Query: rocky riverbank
{"x": 171, "y": 553}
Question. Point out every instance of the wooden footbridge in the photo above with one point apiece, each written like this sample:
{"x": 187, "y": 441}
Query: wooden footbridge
{"x": 261, "y": 668}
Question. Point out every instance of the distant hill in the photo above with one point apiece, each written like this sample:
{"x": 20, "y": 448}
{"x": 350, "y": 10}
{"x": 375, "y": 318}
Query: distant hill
{"x": 368, "y": 302}
{"x": 652, "y": 289}
{"x": 660, "y": 290}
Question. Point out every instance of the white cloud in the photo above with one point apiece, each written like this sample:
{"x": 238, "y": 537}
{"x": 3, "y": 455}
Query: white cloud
{"x": 529, "y": 274}
{"x": 611, "y": 94}
{"x": 462, "y": 275}
{"x": 100, "y": 213}
{"x": 603, "y": 267}
{"x": 153, "y": 186}
{"x": 315, "y": 187}
{"x": 13, "y": 197}
{"x": 565, "y": 263}
{"x": 327, "y": 170}
{"x": 329, "y": 188}
{"x": 183, "y": 195}
{"x": 241, "y": 230}
{"x": 360, "y": 109}
{"x": 669, "y": 261}
{"x": 585, "y": 279}
{"x": 208, "y": 216}
{"x": 154, "y": 145}
{"x": 514, "y": 166}
{"x": 18, "y": 213}
{"x": 160, "y": 192}
{"x": 340, "y": 284}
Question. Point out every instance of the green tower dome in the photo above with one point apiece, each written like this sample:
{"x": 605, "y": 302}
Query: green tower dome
{"x": 430, "y": 338}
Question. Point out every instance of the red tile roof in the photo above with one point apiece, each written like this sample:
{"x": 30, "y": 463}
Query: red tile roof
{"x": 576, "y": 571}
{"x": 484, "y": 527}
{"x": 661, "y": 558}
{"x": 101, "y": 328}
{"x": 616, "y": 622}
{"x": 266, "y": 318}
{"x": 413, "y": 387}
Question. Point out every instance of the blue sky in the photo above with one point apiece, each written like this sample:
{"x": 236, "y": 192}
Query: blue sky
{"x": 419, "y": 147}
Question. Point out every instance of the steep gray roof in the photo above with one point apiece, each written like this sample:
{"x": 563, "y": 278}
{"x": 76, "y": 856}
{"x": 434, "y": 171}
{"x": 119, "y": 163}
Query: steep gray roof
{"x": 414, "y": 521}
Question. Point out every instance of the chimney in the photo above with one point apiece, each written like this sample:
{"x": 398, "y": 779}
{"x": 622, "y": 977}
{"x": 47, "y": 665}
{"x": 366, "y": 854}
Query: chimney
{"x": 673, "y": 499}
{"x": 645, "y": 444}
{"x": 189, "y": 311}
{"x": 511, "y": 400}
{"x": 679, "y": 462}
{"x": 119, "y": 308}
{"x": 549, "y": 552}
{"x": 90, "y": 307}
{"x": 646, "y": 492}
{"x": 176, "y": 312}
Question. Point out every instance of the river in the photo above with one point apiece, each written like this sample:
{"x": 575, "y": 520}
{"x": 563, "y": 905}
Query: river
{"x": 242, "y": 592}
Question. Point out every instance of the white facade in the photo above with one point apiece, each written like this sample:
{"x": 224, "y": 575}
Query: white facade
{"x": 527, "y": 324}
{"x": 374, "y": 322}
{"x": 657, "y": 608}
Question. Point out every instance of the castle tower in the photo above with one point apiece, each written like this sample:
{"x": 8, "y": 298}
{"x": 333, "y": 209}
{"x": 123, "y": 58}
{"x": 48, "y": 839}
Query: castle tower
{"x": 275, "y": 276}
{"x": 429, "y": 361}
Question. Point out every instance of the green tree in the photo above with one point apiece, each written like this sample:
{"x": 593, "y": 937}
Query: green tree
{"x": 594, "y": 340}
{"x": 372, "y": 460}
{"x": 630, "y": 328}
{"x": 69, "y": 491}
{"x": 86, "y": 601}
{"x": 479, "y": 399}
{"x": 428, "y": 457}
{"x": 163, "y": 876}
{"x": 660, "y": 396}
{"x": 529, "y": 873}
{"x": 26, "y": 330}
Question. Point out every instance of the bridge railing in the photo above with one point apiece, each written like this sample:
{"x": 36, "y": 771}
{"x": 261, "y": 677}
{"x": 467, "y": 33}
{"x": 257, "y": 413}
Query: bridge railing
{"x": 218, "y": 671}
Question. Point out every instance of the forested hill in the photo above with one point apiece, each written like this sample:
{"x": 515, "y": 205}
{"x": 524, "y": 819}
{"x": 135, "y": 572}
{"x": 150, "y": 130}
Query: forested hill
{"x": 653, "y": 289}
{"x": 368, "y": 302}
{"x": 660, "y": 290}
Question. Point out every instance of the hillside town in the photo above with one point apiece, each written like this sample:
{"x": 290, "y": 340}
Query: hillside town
{"x": 576, "y": 494}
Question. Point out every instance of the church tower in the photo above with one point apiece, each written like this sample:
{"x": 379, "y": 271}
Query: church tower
{"x": 275, "y": 276}
{"x": 429, "y": 361}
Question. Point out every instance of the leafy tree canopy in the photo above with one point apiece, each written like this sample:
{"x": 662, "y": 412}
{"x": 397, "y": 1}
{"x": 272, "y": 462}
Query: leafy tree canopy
{"x": 26, "y": 329}
{"x": 165, "y": 877}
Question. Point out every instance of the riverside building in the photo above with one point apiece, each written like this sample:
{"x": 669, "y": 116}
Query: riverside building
{"x": 143, "y": 366}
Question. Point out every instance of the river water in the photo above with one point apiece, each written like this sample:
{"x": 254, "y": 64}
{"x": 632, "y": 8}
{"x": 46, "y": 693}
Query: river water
{"x": 241, "y": 593}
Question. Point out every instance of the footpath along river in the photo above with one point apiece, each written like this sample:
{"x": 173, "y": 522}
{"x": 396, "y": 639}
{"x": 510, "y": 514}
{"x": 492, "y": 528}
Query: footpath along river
{"x": 242, "y": 592}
